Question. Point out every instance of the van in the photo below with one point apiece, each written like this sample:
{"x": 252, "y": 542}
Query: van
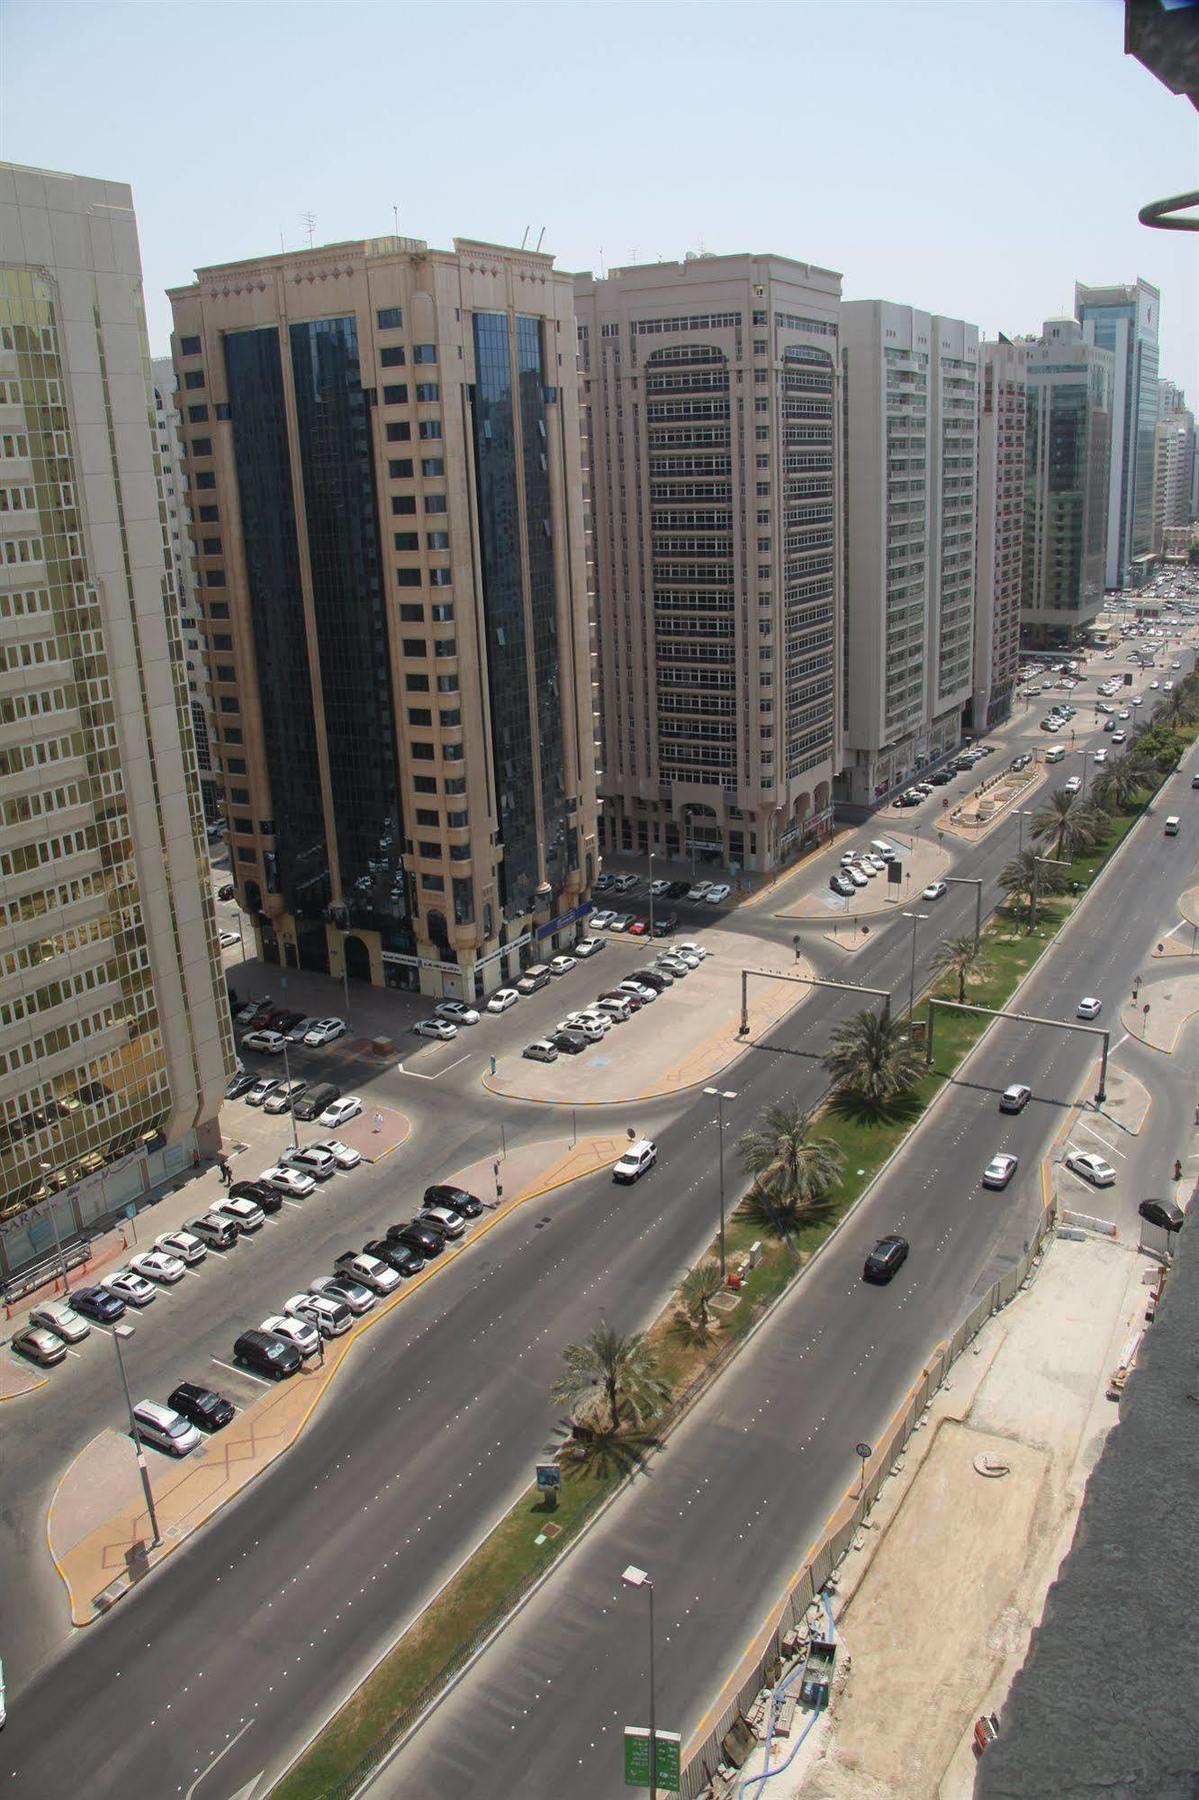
{"x": 214, "y": 1231}
{"x": 269, "y": 1355}
{"x": 163, "y": 1427}
{"x": 1172, "y": 824}
{"x": 887, "y": 851}
{"x": 1056, "y": 754}
{"x": 535, "y": 976}
{"x": 315, "y": 1100}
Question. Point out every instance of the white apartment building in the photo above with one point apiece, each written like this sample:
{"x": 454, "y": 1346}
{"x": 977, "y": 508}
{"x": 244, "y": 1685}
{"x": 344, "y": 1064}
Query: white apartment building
{"x": 115, "y": 1038}
{"x": 911, "y": 457}
{"x": 1173, "y": 462}
{"x": 170, "y": 451}
{"x": 999, "y": 542}
{"x": 711, "y": 419}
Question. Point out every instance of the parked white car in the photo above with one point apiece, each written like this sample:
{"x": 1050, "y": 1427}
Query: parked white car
{"x": 343, "y": 1155}
{"x": 502, "y": 999}
{"x": 158, "y": 1265}
{"x": 561, "y": 965}
{"x": 1091, "y": 1167}
{"x": 130, "y": 1287}
{"x": 292, "y": 1182}
{"x": 457, "y": 1012}
{"x": 435, "y": 1028}
{"x": 342, "y": 1111}
{"x": 324, "y": 1032}
{"x": 305, "y": 1337}
{"x": 270, "y": 1043}
{"x": 183, "y": 1244}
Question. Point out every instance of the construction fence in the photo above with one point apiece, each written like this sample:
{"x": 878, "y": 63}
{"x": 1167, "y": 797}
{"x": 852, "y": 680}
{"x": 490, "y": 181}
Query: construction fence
{"x": 703, "y": 1759}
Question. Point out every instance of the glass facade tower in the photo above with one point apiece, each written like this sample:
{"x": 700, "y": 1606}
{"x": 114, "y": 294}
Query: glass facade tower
{"x": 1125, "y": 321}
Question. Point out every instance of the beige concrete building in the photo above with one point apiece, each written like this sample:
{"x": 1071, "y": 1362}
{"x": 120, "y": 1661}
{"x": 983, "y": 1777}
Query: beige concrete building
{"x": 711, "y": 424}
{"x": 911, "y": 448}
{"x": 115, "y": 1038}
{"x": 1173, "y": 462}
{"x": 384, "y": 473}
{"x": 999, "y": 540}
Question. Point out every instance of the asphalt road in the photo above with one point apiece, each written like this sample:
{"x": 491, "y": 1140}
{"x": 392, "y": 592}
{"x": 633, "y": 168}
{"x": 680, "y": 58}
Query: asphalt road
{"x": 726, "y": 1512}
{"x": 300, "y": 1610}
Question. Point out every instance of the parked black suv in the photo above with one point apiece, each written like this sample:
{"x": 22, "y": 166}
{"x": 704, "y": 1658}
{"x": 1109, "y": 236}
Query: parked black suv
{"x": 663, "y": 927}
{"x": 658, "y": 979}
{"x": 456, "y": 1198}
{"x": 309, "y": 1105}
{"x": 202, "y": 1406}
{"x": 266, "y": 1197}
{"x": 267, "y": 1354}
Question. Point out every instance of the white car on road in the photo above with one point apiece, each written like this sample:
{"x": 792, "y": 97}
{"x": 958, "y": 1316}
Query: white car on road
{"x": 324, "y": 1031}
{"x": 502, "y": 999}
{"x": 1089, "y": 1007}
{"x": 636, "y": 1160}
{"x": 435, "y": 1028}
{"x": 457, "y": 1012}
{"x": 292, "y": 1182}
{"x": 341, "y": 1111}
{"x": 158, "y": 1266}
{"x": 999, "y": 1170}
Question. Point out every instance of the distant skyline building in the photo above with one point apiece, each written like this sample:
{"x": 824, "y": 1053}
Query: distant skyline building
{"x": 1174, "y": 462}
{"x": 1067, "y": 463}
{"x": 1125, "y": 321}
{"x": 710, "y": 397}
{"x": 999, "y": 574}
{"x": 383, "y": 460}
{"x": 115, "y": 1036}
{"x": 170, "y": 451}
{"x": 911, "y": 456}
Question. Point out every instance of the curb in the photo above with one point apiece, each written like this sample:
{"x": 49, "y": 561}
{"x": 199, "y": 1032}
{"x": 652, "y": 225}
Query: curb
{"x": 20, "y": 1393}
{"x": 327, "y": 1377}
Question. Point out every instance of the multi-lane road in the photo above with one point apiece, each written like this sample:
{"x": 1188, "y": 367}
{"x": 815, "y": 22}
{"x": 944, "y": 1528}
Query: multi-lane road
{"x": 270, "y": 1614}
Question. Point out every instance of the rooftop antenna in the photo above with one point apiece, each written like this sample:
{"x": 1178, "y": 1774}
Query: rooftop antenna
{"x": 524, "y": 240}
{"x": 309, "y": 221}
{"x": 603, "y": 277}
{"x": 395, "y": 219}
{"x": 537, "y": 245}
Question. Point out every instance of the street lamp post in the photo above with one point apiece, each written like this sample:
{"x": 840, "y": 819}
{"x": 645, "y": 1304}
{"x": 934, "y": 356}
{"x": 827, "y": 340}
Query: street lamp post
{"x": 1026, "y": 813}
{"x": 651, "y": 893}
{"x": 291, "y": 1111}
{"x": 917, "y": 919}
{"x": 47, "y": 1170}
{"x": 637, "y": 1578}
{"x": 720, "y": 1096}
{"x": 1036, "y": 886}
{"x": 119, "y": 1332}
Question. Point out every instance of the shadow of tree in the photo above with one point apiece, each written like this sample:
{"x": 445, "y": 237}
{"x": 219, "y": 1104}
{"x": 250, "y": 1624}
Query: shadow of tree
{"x": 600, "y": 1453}
{"x": 858, "y": 1111}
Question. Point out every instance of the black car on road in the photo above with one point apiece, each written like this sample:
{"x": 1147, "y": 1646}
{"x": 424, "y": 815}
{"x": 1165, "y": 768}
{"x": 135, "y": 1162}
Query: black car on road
{"x": 203, "y": 1406}
{"x": 888, "y": 1256}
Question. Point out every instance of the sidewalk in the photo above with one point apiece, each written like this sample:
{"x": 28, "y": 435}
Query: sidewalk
{"x": 1172, "y": 997}
{"x": 97, "y": 1529}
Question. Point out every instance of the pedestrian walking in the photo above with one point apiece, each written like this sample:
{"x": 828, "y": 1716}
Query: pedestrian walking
{"x": 223, "y": 1170}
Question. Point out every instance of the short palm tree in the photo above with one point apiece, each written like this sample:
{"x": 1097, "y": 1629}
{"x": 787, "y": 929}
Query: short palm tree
{"x": 964, "y": 959}
{"x": 1120, "y": 784}
{"x": 620, "y": 1370}
{"x": 873, "y": 1059}
{"x": 786, "y": 1160}
{"x": 1179, "y": 708}
{"x": 1027, "y": 874}
{"x": 1068, "y": 824}
{"x": 699, "y": 1288}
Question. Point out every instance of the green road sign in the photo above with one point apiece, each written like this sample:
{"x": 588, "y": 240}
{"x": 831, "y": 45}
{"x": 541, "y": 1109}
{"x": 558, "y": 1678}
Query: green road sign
{"x": 636, "y": 1758}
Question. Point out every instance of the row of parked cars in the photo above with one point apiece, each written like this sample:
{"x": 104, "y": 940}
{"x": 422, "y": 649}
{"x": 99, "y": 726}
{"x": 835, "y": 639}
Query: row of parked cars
{"x": 240, "y": 1213}
{"x": 269, "y": 1027}
{"x": 920, "y": 790}
{"x": 321, "y": 1100}
{"x": 709, "y": 892}
{"x": 590, "y": 1025}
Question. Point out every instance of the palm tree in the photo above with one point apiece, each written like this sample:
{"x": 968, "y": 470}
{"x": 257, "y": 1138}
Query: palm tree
{"x": 1026, "y": 874}
{"x": 699, "y": 1288}
{"x": 1068, "y": 823}
{"x": 964, "y": 959}
{"x": 873, "y": 1059}
{"x": 1179, "y": 708}
{"x": 787, "y": 1163}
{"x": 620, "y": 1369}
{"x": 1120, "y": 784}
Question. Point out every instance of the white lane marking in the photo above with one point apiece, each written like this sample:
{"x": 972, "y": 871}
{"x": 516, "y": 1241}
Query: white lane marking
{"x": 234, "y": 1370}
{"x": 245, "y": 1792}
{"x": 1085, "y": 1125}
{"x": 416, "y": 1076}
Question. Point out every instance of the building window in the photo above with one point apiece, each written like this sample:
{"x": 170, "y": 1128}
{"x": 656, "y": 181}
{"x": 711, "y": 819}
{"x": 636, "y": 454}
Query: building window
{"x": 425, "y": 816}
{"x": 392, "y": 357}
{"x": 457, "y": 821}
{"x": 436, "y": 883}
{"x": 447, "y": 684}
{"x": 443, "y": 613}
{"x": 437, "y": 540}
{"x": 415, "y": 647}
{"x": 417, "y": 684}
{"x": 398, "y": 432}
{"x": 430, "y": 428}
{"x": 440, "y": 578}
{"x": 201, "y": 446}
{"x": 215, "y": 578}
{"x": 229, "y": 703}
{"x": 407, "y": 540}
{"x": 445, "y": 647}
{"x": 224, "y": 410}
{"x": 450, "y": 718}
{"x": 389, "y": 318}
{"x": 396, "y": 395}
{"x": 403, "y": 503}
{"x": 432, "y": 465}
{"x": 453, "y": 752}
{"x": 424, "y": 784}
{"x": 424, "y": 353}
{"x": 189, "y": 346}
{"x": 210, "y": 515}
{"x": 422, "y": 752}
{"x": 194, "y": 378}
{"x": 212, "y": 546}
{"x": 425, "y": 848}
{"x": 197, "y": 415}
{"x": 408, "y": 577}
{"x": 428, "y": 390}
{"x": 420, "y": 715}
{"x": 398, "y": 467}
{"x": 205, "y": 479}
{"x": 412, "y": 615}
{"x": 435, "y": 503}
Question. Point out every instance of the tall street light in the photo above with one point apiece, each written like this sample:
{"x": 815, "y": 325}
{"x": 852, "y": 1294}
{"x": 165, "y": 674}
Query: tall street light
{"x": 651, "y": 893}
{"x": 917, "y": 919}
{"x": 637, "y": 1578}
{"x": 1027, "y": 813}
{"x": 47, "y": 1170}
{"x": 119, "y": 1332}
{"x": 291, "y": 1111}
{"x": 720, "y": 1096}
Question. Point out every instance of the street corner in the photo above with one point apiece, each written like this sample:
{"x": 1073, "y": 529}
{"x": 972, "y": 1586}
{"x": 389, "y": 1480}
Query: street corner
{"x": 510, "y": 1177}
{"x": 1188, "y": 906}
{"x": 922, "y": 862}
{"x": 691, "y": 1033}
{"x": 849, "y": 934}
{"x": 1126, "y": 1099}
{"x": 1161, "y": 1009}
{"x": 376, "y": 1132}
{"x": 18, "y": 1377}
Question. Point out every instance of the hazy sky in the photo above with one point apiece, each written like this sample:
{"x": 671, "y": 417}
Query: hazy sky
{"x": 968, "y": 157}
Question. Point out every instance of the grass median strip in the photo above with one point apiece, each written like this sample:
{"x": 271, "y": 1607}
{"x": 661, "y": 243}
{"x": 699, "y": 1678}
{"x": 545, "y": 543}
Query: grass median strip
{"x": 520, "y": 1548}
